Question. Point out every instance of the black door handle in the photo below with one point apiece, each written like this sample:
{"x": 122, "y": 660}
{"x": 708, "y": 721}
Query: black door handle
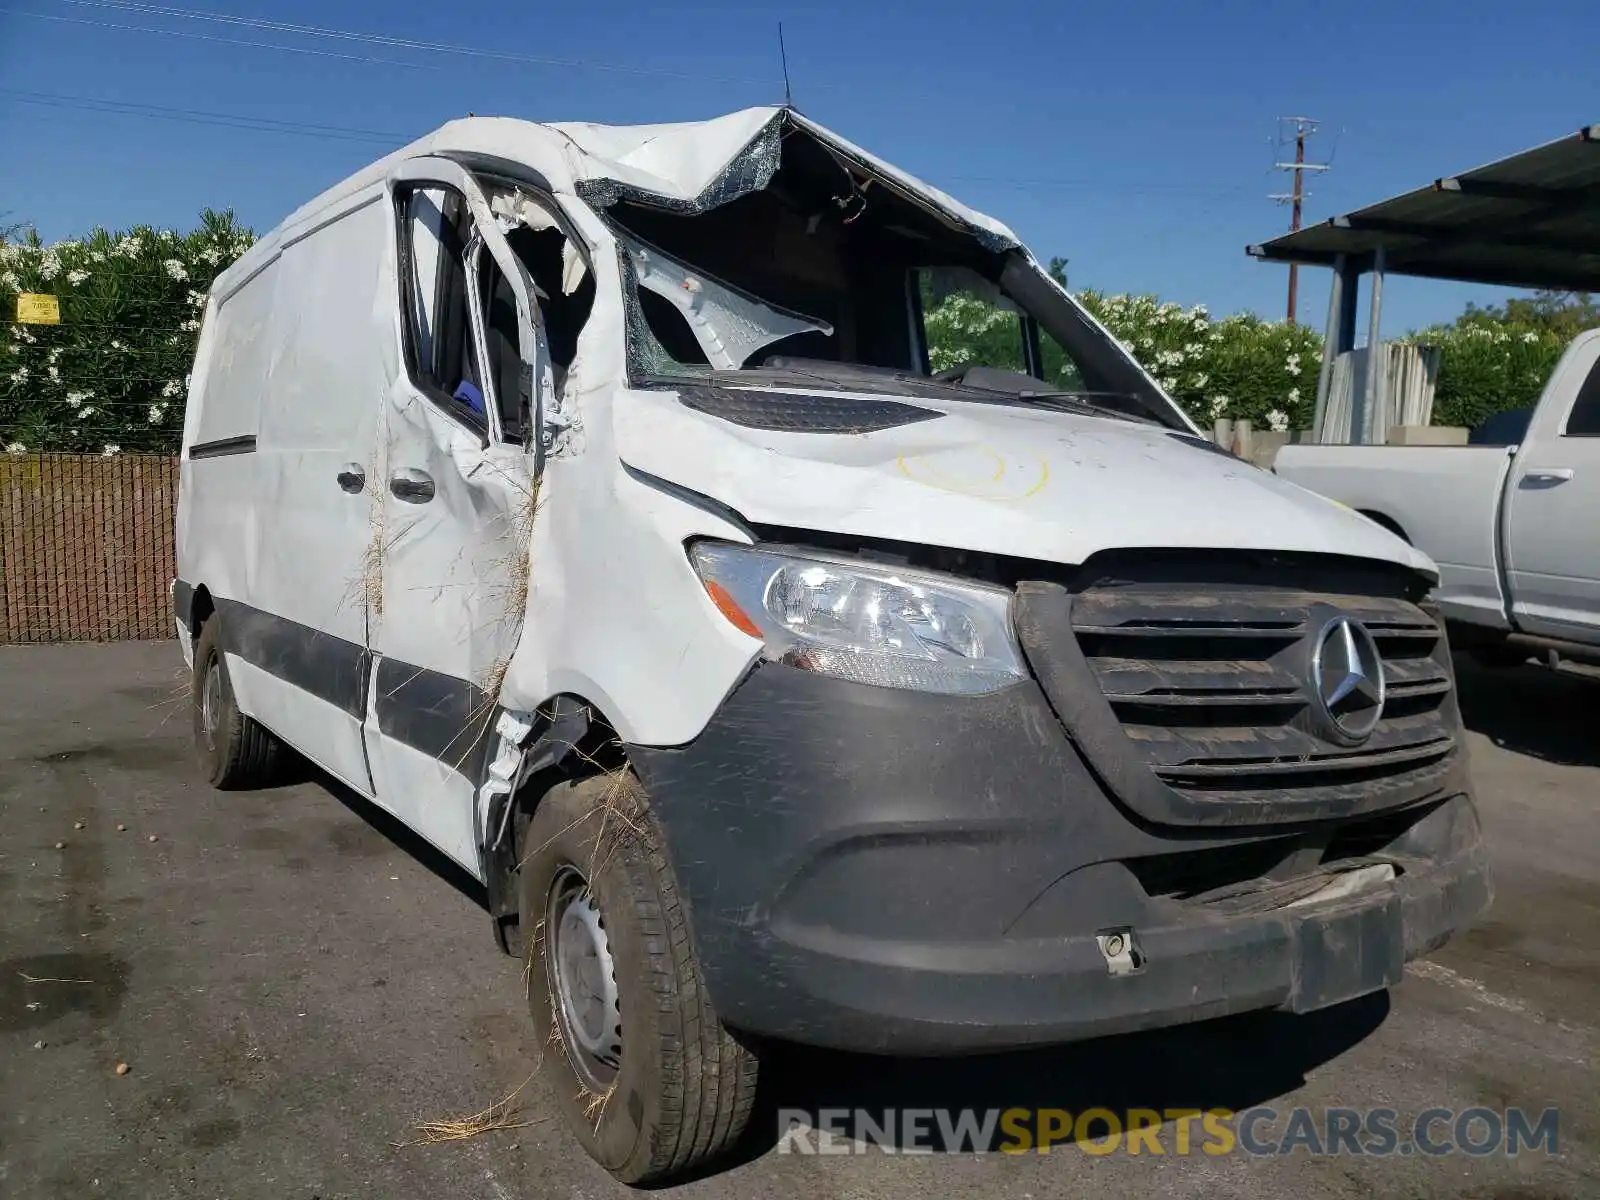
{"x": 411, "y": 485}
{"x": 351, "y": 478}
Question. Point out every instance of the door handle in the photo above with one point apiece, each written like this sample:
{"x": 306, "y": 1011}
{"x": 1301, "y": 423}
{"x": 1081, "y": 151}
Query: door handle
{"x": 411, "y": 485}
{"x": 1547, "y": 474}
{"x": 351, "y": 478}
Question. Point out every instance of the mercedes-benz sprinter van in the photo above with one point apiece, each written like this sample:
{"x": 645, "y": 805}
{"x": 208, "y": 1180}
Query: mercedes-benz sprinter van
{"x": 600, "y": 502}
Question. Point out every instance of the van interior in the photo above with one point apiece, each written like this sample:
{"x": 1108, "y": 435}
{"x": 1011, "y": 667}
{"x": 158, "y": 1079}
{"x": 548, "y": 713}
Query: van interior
{"x": 832, "y": 273}
{"x": 849, "y": 273}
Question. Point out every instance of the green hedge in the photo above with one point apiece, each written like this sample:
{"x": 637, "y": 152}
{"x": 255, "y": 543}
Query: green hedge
{"x": 1240, "y": 367}
{"x": 1489, "y": 366}
{"x": 1244, "y": 367}
{"x": 112, "y": 377}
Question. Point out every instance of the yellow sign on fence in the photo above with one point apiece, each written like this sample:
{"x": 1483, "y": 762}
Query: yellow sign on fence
{"x": 36, "y": 309}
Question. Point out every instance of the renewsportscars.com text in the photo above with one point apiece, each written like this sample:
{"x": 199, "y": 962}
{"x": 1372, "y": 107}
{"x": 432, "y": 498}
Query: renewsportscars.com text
{"x": 1260, "y": 1131}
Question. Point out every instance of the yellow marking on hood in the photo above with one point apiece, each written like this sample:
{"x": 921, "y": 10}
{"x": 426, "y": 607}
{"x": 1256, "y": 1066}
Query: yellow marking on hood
{"x": 1009, "y": 482}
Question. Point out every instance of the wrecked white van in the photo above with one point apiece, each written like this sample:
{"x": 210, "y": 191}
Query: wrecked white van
{"x": 584, "y": 497}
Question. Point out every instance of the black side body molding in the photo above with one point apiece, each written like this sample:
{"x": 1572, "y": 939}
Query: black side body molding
{"x": 328, "y": 667}
{"x": 245, "y": 443}
{"x": 439, "y": 715}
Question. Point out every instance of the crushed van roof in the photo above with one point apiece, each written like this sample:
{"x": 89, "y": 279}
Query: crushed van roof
{"x": 677, "y": 162}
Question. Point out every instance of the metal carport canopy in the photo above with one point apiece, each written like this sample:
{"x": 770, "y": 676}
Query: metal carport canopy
{"x": 1530, "y": 220}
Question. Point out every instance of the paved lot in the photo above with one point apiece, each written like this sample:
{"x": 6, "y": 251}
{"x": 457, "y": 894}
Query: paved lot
{"x": 294, "y": 984}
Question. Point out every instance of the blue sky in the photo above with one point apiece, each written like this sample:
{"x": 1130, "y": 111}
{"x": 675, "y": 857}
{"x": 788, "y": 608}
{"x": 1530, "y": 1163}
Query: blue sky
{"x": 1133, "y": 138}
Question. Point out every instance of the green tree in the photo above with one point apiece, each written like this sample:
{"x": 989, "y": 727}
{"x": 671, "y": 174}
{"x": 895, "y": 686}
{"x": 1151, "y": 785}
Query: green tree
{"x": 1562, "y": 314}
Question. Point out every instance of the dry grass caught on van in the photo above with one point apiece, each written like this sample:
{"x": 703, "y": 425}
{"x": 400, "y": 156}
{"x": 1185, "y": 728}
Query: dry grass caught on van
{"x": 516, "y": 565}
{"x": 613, "y": 809}
{"x": 367, "y": 586}
{"x": 617, "y": 807}
{"x": 505, "y": 1113}
{"x": 513, "y": 568}
{"x": 595, "y": 1106}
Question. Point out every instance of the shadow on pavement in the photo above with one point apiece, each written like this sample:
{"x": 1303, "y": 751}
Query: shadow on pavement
{"x": 1532, "y": 710}
{"x": 396, "y": 831}
{"x": 1233, "y": 1063}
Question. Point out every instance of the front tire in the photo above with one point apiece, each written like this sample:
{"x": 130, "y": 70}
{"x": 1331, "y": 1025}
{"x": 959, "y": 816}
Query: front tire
{"x": 648, "y": 1078}
{"x": 234, "y": 751}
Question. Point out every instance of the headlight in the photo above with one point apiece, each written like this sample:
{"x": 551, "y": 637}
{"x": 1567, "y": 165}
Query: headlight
{"x": 860, "y": 621}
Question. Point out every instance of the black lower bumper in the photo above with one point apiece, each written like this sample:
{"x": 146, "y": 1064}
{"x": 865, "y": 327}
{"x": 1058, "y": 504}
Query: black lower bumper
{"x": 894, "y": 872}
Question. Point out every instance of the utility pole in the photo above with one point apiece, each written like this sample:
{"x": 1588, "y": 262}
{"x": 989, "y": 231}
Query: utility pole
{"x": 1304, "y": 127}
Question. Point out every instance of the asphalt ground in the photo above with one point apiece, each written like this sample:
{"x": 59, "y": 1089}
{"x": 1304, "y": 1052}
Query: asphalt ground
{"x": 295, "y": 984}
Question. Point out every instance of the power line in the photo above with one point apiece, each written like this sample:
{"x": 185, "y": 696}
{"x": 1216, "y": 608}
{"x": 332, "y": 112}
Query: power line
{"x": 405, "y": 43}
{"x": 1304, "y": 127}
{"x": 325, "y": 32}
{"x": 224, "y": 41}
{"x": 392, "y": 138}
{"x": 201, "y": 117}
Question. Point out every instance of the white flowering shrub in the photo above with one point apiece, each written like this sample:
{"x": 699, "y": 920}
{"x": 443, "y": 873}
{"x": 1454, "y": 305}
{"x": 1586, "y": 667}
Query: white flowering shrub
{"x": 1265, "y": 371}
{"x": 1487, "y": 366}
{"x": 113, "y": 376}
{"x": 964, "y": 329}
{"x": 1240, "y": 366}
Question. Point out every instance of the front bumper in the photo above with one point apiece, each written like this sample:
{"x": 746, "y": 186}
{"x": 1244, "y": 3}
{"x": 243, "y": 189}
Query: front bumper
{"x": 894, "y": 872}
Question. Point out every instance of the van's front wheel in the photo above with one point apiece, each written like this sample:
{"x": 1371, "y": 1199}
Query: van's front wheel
{"x": 234, "y": 751}
{"x": 651, "y": 1082}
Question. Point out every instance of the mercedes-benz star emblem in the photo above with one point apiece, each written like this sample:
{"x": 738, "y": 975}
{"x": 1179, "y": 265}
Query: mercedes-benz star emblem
{"x": 1347, "y": 680}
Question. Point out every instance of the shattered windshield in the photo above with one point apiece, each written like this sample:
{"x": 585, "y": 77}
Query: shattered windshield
{"x": 829, "y": 277}
{"x": 729, "y": 326}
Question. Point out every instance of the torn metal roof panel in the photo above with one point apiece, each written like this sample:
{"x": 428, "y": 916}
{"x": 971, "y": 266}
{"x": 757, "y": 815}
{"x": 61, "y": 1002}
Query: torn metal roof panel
{"x": 677, "y": 164}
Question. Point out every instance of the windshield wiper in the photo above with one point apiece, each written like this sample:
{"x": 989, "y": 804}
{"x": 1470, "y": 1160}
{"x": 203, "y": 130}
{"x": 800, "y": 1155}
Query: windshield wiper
{"x": 888, "y": 382}
{"x": 1083, "y": 403}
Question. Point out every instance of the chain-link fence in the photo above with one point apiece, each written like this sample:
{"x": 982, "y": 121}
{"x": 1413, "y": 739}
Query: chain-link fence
{"x": 86, "y": 547}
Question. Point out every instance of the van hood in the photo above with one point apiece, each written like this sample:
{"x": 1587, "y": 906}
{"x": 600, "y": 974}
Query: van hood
{"x": 995, "y": 477}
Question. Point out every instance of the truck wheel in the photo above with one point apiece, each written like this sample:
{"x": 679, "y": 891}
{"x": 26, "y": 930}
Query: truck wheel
{"x": 234, "y": 751}
{"x": 650, "y": 1081}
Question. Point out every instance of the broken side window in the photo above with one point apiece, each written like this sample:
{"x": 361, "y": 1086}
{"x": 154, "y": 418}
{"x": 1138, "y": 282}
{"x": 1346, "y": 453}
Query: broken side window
{"x": 441, "y": 351}
{"x": 503, "y": 358}
{"x": 563, "y": 281}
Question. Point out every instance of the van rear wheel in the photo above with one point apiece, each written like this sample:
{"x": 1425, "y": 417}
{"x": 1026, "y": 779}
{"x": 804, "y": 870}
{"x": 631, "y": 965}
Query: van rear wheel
{"x": 234, "y": 751}
{"x": 648, "y": 1078}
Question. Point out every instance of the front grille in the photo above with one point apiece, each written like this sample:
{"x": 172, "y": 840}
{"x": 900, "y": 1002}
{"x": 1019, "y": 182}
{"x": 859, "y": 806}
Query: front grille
{"x": 1209, "y": 676}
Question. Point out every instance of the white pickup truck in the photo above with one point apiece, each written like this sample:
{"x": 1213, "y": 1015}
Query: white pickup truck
{"x": 1512, "y": 520}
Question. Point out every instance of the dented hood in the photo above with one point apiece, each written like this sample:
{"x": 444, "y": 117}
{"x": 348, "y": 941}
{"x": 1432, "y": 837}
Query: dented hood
{"x": 999, "y": 478}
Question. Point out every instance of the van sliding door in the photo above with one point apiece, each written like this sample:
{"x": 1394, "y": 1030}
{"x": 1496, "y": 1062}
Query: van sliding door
{"x": 311, "y": 349}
